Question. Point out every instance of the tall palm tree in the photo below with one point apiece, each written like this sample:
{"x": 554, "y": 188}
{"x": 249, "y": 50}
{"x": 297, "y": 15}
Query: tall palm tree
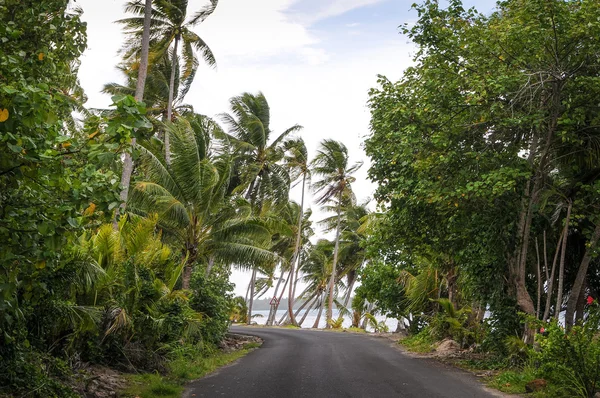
{"x": 262, "y": 177}
{"x": 170, "y": 27}
{"x": 296, "y": 160}
{"x": 157, "y": 88}
{"x": 190, "y": 197}
{"x": 331, "y": 164}
{"x": 139, "y": 96}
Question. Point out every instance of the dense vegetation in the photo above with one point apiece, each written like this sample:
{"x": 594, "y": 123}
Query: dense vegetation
{"x": 119, "y": 227}
{"x": 487, "y": 158}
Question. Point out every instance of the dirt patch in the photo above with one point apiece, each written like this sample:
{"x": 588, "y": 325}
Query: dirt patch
{"x": 234, "y": 342}
{"x": 98, "y": 382}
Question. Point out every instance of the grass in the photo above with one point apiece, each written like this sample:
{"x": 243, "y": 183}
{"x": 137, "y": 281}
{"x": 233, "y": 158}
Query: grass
{"x": 180, "y": 372}
{"x": 421, "y": 343}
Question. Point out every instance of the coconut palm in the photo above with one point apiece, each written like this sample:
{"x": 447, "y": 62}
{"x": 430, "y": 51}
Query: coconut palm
{"x": 190, "y": 197}
{"x": 296, "y": 160}
{"x": 139, "y": 96}
{"x": 262, "y": 177}
{"x": 169, "y": 28}
{"x": 331, "y": 164}
{"x": 157, "y": 88}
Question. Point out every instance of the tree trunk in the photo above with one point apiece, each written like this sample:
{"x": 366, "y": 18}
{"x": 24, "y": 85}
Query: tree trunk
{"x": 285, "y": 316}
{"x": 211, "y": 263}
{"x": 561, "y": 272}
{"x": 546, "y": 258}
{"x": 451, "y": 278}
{"x": 279, "y": 300}
{"x": 551, "y": 279}
{"x": 139, "y": 96}
{"x": 581, "y": 275}
{"x": 364, "y": 322}
{"x": 187, "y": 277}
{"x": 350, "y": 287}
{"x": 170, "y": 103}
{"x": 335, "y": 258}
{"x": 580, "y": 309}
{"x": 316, "y": 324}
{"x": 251, "y": 299}
{"x": 308, "y": 310}
{"x": 271, "y": 316}
{"x": 539, "y": 281}
{"x": 295, "y": 257}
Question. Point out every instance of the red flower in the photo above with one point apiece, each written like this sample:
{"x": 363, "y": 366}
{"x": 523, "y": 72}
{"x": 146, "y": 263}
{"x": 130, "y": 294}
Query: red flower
{"x": 542, "y": 330}
{"x": 590, "y": 300}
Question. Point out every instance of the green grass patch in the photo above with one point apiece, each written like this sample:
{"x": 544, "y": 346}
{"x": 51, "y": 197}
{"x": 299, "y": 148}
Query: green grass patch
{"x": 180, "y": 371}
{"x": 422, "y": 342}
{"x": 512, "y": 381}
{"x": 355, "y": 330}
{"x": 290, "y": 326}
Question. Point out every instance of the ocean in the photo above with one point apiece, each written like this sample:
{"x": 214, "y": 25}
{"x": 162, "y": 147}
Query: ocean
{"x": 312, "y": 316}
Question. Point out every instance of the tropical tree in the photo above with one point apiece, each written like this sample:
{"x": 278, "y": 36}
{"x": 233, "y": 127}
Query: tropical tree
{"x": 139, "y": 96}
{"x": 331, "y": 165}
{"x": 190, "y": 197}
{"x": 261, "y": 176}
{"x": 296, "y": 160}
{"x": 170, "y": 27}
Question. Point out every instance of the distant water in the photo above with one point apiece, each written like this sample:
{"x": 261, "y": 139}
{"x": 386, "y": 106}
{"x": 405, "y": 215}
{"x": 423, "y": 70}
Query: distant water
{"x": 312, "y": 316}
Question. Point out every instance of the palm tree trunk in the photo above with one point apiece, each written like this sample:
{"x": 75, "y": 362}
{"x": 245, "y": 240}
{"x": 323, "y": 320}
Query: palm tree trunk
{"x": 350, "y": 287}
{"x": 273, "y": 310}
{"x": 561, "y": 272}
{"x": 295, "y": 257}
{"x": 335, "y": 258}
{"x": 139, "y": 96}
{"x": 316, "y": 324}
{"x": 539, "y": 281}
{"x": 170, "y": 103}
{"x": 211, "y": 263}
{"x": 279, "y": 299}
{"x": 364, "y": 322}
{"x": 551, "y": 279}
{"x": 308, "y": 310}
{"x": 577, "y": 289}
{"x": 251, "y": 300}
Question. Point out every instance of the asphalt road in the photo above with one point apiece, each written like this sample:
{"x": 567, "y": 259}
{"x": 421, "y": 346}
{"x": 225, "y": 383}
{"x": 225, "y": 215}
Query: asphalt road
{"x": 305, "y": 363}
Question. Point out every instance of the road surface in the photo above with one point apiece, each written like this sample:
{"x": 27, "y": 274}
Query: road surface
{"x": 306, "y": 363}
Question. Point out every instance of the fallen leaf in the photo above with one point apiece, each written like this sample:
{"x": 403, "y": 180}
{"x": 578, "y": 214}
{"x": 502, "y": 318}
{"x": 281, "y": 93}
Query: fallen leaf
{"x": 41, "y": 56}
{"x": 3, "y": 115}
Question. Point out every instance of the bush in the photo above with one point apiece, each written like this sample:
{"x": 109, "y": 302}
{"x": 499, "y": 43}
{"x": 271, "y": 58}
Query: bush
{"x": 213, "y": 299}
{"x": 571, "y": 359}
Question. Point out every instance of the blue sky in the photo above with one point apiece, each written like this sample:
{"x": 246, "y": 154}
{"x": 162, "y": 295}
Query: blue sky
{"x": 315, "y": 60}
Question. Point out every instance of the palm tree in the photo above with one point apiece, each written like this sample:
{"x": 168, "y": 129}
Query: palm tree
{"x": 263, "y": 179}
{"x": 170, "y": 27}
{"x": 296, "y": 160}
{"x": 157, "y": 89}
{"x": 139, "y": 96}
{"x": 190, "y": 197}
{"x": 331, "y": 165}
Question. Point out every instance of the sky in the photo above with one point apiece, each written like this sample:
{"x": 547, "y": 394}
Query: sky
{"x": 315, "y": 61}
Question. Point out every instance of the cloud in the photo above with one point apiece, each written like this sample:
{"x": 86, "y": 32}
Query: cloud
{"x": 320, "y": 10}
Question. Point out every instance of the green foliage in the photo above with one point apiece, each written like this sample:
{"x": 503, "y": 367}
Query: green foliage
{"x": 571, "y": 360}
{"x": 212, "y": 298}
{"x": 239, "y": 310}
{"x": 181, "y": 370}
{"x": 513, "y": 382}
{"x": 336, "y": 323}
{"x": 453, "y": 323}
{"x": 420, "y": 342}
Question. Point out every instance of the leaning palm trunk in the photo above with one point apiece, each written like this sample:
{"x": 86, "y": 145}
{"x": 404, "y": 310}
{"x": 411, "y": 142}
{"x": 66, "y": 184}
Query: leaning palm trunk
{"x": 295, "y": 258}
{"x": 308, "y": 310}
{"x": 316, "y": 324}
{"x": 350, "y": 287}
{"x": 170, "y": 103}
{"x": 335, "y": 258}
{"x": 273, "y": 310}
{"x": 139, "y": 96}
{"x": 251, "y": 298}
{"x": 561, "y": 272}
{"x": 577, "y": 290}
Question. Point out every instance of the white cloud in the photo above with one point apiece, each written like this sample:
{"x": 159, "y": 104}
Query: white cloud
{"x": 332, "y": 8}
